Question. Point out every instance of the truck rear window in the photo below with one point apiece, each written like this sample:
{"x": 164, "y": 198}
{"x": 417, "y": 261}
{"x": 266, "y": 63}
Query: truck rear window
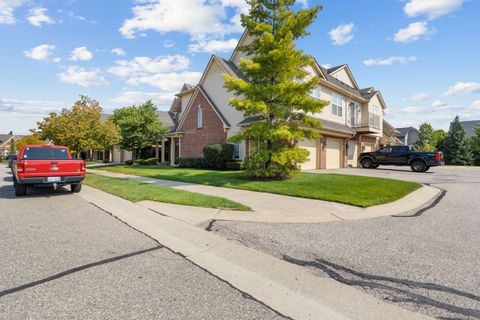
{"x": 45, "y": 154}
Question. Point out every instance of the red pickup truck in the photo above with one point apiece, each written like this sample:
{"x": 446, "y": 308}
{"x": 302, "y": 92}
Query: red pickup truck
{"x": 47, "y": 166}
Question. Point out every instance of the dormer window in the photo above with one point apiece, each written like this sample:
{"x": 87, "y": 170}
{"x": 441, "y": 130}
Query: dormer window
{"x": 199, "y": 117}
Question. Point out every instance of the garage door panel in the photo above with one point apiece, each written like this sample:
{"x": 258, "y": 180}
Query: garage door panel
{"x": 333, "y": 153}
{"x": 311, "y": 146}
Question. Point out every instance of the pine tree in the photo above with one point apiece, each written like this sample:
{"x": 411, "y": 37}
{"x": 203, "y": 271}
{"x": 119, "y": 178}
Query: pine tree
{"x": 475, "y": 142}
{"x": 275, "y": 88}
{"x": 457, "y": 148}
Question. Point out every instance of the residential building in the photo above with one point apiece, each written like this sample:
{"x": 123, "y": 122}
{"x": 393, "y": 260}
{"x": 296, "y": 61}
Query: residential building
{"x": 390, "y": 135}
{"x": 408, "y": 136}
{"x": 351, "y": 123}
{"x": 6, "y": 141}
{"x": 468, "y": 127}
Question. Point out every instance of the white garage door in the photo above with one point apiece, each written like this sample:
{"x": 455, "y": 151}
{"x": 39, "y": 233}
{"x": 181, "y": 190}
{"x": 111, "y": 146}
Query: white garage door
{"x": 333, "y": 153}
{"x": 311, "y": 146}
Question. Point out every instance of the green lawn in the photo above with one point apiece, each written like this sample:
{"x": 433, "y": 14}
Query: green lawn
{"x": 354, "y": 190}
{"x": 137, "y": 191}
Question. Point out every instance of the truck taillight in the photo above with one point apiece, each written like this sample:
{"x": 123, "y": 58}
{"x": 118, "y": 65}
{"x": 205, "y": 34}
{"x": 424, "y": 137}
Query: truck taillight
{"x": 438, "y": 157}
{"x": 20, "y": 167}
{"x": 82, "y": 167}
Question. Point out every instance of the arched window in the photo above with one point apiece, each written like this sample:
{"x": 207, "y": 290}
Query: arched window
{"x": 199, "y": 117}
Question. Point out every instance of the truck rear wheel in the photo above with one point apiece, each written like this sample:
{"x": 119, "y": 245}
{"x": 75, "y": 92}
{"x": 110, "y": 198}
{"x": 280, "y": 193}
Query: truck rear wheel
{"x": 367, "y": 163}
{"x": 76, "y": 187}
{"x": 20, "y": 189}
{"x": 418, "y": 166}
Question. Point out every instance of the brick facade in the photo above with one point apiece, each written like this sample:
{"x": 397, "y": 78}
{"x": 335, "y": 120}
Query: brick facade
{"x": 195, "y": 138}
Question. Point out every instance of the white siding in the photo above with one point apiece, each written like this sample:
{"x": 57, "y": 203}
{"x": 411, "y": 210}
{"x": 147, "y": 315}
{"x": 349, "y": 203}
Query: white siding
{"x": 332, "y": 153}
{"x": 343, "y": 76}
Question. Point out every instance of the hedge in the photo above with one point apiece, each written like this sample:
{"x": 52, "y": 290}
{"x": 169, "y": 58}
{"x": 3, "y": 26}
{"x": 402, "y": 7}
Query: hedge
{"x": 234, "y": 165}
{"x": 216, "y": 155}
{"x": 189, "y": 162}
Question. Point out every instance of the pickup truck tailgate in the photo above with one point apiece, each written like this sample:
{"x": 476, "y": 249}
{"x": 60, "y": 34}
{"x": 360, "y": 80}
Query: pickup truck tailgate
{"x": 52, "y": 168}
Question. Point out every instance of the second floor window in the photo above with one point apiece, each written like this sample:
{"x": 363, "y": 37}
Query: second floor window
{"x": 337, "y": 105}
{"x": 200, "y": 117}
{"x": 316, "y": 93}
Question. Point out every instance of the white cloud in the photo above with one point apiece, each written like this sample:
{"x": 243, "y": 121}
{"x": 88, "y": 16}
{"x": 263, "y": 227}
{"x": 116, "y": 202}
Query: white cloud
{"x": 439, "y": 103}
{"x": 389, "y": 61}
{"x": 342, "y": 34}
{"x": 195, "y": 17}
{"x": 7, "y": 7}
{"x": 431, "y": 8}
{"x": 38, "y": 16}
{"x": 139, "y": 66}
{"x": 167, "y": 81}
{"x": 420, "y": 96}
{"x": 411, "y": 109}
{"x": 476, "y": 104}
{"x": 81, "y": 54}
{"x": 463, "y": 88}
{"x": 41, "y": 52}
{"x": 327, "y": 65}
{"x": 168, "y": 43}
{"x": 118, "y": 52}
{"x": 415, "y": 31}
{"x": 213, "y": 45}
{"x": 28, "y": 106}
{"x": 83, "y": 77}
{"x": 137, "y": 97}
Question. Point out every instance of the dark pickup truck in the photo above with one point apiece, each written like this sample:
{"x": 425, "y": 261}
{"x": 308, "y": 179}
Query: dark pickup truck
{"x": 401, "y": 156}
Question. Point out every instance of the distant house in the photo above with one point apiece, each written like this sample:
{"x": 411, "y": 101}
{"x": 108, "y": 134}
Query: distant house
{"x": 408, "y": 136}
{"x": 468, "y": 127}
{"x": 390, "y": 135}
{"x": 6, "y": 140}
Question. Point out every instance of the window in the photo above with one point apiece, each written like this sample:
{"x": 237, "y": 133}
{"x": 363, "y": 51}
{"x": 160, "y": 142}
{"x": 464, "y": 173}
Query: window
{"x": 316, "y": 93}
{"x": 236, "y": 151}
{"x": 385, "y": 150}
{"x": 200, "y": 117}
{"x": 337, "y": 105}
{"x": 45, "y": 153}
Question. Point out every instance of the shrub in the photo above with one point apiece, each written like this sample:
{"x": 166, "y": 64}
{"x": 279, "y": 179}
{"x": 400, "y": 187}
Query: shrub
{"x": 148, "y": 162}
{"x": 129, "y": 162}
{"x": 217, "y": 154}
{"x": 189, "y": 162}
{"x": 234, "y": 165}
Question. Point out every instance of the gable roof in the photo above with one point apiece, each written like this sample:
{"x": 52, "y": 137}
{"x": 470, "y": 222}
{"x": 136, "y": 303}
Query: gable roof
{"x": 345, "y": 67}
{"x": 468, "y": 127}
{"x": 244, "y": 36}
{"x": 403, "y": 131}
{"x": 199, "y": 89}
{"x": 4, "y": 138}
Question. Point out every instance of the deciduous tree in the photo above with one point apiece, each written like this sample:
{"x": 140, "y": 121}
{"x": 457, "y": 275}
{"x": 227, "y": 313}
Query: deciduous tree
{"x": 275, "y": 88}
{"x": 80, "y": 128}
{"x": 139, "y": 127}
{"x": 30, "y": 139}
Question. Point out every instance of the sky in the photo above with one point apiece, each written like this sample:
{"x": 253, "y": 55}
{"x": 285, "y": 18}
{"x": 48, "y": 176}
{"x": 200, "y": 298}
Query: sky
{"x": 423, "y": 55}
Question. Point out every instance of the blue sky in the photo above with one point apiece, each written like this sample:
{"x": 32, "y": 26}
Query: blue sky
{"x": 421, "y": 54}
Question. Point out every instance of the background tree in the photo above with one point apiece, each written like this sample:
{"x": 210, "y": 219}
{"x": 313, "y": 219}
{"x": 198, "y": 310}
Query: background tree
{"x": 275, "y": 88}
{"x": 424, "y": 142}
{"x": 438, "y": 138}
{"x": 33, "y": 138}
{"x": 80, "y": 128}
{"x": 457, "y": 148}
{"x": 139, "y": 127}
{"x": 475, "y": 143}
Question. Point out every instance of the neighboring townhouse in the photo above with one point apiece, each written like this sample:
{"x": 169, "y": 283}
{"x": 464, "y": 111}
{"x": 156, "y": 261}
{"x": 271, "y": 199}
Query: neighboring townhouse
{"x": 351, "y": 123}
{"x": 390, "y": 135}
{"x": 468, "y": 127}
{"x": 6, "y": 141}
{"x": 408, "y": 136}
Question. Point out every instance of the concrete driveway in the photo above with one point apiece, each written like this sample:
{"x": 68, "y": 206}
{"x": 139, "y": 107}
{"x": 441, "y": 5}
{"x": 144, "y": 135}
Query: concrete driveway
{"x": 429, "y": 262}
{"x": 63, "y": 258}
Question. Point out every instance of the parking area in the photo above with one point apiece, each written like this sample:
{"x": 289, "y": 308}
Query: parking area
{"x": 427, "y": 262}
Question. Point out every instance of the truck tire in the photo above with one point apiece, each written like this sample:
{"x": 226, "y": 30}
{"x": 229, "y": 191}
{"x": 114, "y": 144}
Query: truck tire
{"x": 418, "y": 166}
{"x": 76, "y": 187}
{"x": 20, "y": 189}
{"x": 367, "y": 163}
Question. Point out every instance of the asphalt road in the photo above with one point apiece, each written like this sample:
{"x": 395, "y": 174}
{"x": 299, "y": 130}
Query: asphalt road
{"x": 63, "y": 258}
{"x": 428, "y": 262}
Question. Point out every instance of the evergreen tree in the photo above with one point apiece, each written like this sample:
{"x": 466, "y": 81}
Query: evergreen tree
{"x": 457, "y": 148}
{"x": 475, "y": 142}
{"x": 275, "y": 89}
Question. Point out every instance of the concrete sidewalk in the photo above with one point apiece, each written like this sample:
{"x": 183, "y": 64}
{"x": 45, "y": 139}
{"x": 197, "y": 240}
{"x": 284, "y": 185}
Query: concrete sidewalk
{"x": 274, "y": 208}
{"x": 288, "y": 289}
